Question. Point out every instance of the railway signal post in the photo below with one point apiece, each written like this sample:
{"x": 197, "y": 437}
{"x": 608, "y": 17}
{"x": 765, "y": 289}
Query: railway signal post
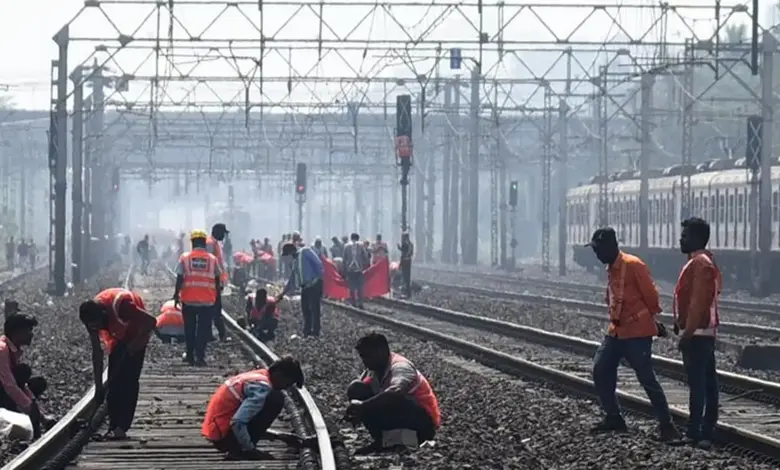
{"x": 404, "y": 150}
{"x": 513, "y": 223}
{"x": 300, "y": 192}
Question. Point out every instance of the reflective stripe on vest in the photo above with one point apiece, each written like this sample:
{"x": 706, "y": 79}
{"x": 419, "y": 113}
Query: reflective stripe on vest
{"x": 421, "y": 390}
{"x": 226, "y": 401}
{"x": 269, "y": 303}
{"x": 714, "y": 319}
{"x": 199, "y": 273}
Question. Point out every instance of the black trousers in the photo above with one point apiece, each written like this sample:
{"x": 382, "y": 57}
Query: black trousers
{"x": 406, "y": 272}
{"x": 311, "y": 308}
{"x": 404, "y": 413}
{"x": 197, "y": 329}
{"x": 219, "y": 322}
{"x": 703, "y": 400}
{"x": 37, "y": 385}
{"x": 124, "y": 373}
{"x": 257, "y": 426}
{"x": 264, "y": 328}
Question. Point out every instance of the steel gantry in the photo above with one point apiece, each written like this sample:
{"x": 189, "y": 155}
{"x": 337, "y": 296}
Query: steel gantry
{"x": 230, "y": 87}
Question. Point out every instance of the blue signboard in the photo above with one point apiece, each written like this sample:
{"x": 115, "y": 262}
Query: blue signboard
{"x": 455, "y": 58}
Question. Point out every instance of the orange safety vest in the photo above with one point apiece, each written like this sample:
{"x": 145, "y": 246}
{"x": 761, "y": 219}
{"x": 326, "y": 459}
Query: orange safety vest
{"x": 226, "y": 401}
{"x": 269, "y": 307}
{"x": 621, "y": 322}
{"x": 117, "y": 329}
{"x": 714, "y": 318}
{"x": 170, "y": 321}
{"x": 200, "y": 270}
{"x": 214, "y": 246}
{"x": 421, "y": 391}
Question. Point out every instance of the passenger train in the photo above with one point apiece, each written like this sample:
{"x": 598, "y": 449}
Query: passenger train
{"x": 720, "y": 192}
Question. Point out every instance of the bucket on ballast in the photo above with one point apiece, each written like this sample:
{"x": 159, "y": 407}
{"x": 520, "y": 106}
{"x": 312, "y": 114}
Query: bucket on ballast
{"x": 399, "y": 437}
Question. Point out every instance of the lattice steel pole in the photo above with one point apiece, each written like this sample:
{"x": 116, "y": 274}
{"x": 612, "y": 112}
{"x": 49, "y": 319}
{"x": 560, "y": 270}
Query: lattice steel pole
{"x": 446, "y": 176}
{"x": 471, "y": 255}
{"x": 688, "y": 103}
{"x": 58, "y": 162}
{"x": 494, "y": 186}
{"x": 459, "y": 184}
{"x": 547, "y": 158}
{"x": 563, "y": 177}
{"x": 603, "y": 148}
{"x": 769, "y": 45}
{"x": 645, "y": 113}
{"x": 77, "y": 201}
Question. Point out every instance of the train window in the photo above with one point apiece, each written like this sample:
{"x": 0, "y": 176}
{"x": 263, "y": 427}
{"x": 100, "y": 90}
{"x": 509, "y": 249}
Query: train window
{"x": 730, "y": 208}
{"x": 775, "y": 205}
{"x": 721, "y": 209}
{"x": 696, "y": 201}
{"x": 713, "y": 209}
{"x": 704, "y": 213}
{"x": 741, "y": 208}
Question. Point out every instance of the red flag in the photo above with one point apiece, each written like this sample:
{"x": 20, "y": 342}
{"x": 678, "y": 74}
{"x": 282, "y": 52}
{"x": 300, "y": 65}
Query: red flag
{"x": 376, "y": 281}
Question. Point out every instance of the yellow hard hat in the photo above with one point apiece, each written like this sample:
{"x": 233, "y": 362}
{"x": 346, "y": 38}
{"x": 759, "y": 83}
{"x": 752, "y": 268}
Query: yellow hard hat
{"x": 197, "y": 233}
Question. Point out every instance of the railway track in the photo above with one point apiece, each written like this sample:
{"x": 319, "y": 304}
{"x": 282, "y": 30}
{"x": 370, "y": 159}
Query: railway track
{"x": 166, "y": 432}
{"x": 728, "y": 328}
{"x": 748, "y": 406}
{"x": 769, "y": 310}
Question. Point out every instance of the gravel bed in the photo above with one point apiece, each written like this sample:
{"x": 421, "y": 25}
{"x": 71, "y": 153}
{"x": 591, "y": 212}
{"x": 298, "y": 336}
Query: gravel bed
{"x": 524, "y": 426}
{"x": 511, "y": 285}
{"x": 60, "y": 351}
{"x": 556, "y": 320}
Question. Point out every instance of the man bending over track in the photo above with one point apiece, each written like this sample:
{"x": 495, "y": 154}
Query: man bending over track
{"x": 245, "y": 406}
{"x": 390, "y": 395}
{"x": 118, "y": 318}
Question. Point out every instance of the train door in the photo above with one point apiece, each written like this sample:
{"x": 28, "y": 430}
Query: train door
{"x": 720, "y": 200}
{"x": 776, "y": 216}
{"x": 742, "y": 218}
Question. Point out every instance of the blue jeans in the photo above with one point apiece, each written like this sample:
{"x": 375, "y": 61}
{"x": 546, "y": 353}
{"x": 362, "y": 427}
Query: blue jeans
{"x": 699, "y": 361}
{"x": 638, "y": 353}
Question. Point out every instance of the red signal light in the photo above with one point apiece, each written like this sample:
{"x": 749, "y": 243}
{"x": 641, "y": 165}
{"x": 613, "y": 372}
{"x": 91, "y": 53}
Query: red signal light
{"x": 300, "y": 188}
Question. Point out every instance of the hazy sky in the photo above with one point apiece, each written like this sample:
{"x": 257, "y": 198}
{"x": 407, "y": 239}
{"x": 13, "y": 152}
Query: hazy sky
{"x": 26, "y": 28}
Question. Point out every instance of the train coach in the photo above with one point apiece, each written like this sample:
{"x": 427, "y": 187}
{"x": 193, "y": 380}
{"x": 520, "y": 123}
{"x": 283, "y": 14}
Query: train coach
{"x": 720, "y": 192}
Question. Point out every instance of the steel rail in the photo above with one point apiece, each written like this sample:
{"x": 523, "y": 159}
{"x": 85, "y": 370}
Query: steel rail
{"x": 759, "y": 390}
{"x": 725, "y": 433}
{"x": 39, "y": 453}
{"x": 731, "y": 328}
{"x": 56, "y": 438}
{"x": 758, "y": 308}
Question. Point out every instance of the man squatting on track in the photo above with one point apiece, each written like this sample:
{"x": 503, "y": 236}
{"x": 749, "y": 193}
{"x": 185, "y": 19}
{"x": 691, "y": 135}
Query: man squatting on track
{"x": 245, "y": 406}
{"x": 20, "y": 390}
{"x": 262, "y": 315}
{"x": 118, "y": 317}
{"x": 696, "y": 317}
{"x": 307, "y": 273}
{"x": 633, "y": 304}
{"x": 391, "y": 395}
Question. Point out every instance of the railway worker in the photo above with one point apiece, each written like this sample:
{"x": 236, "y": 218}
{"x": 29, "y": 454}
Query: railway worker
{"x": 262, "y": 315}
{"x": 391, "y": 394}
{"x": 143, "y": 250}
{"x": 245, "y": 406}
{"x": 696, "y": 318}
{"x": 19, "y": 390}
{"x": 218, "y": 234}
{"x": 407, "y": 253}
{"x": 266, "y": 246}
{"x": 198, "y": 290}
{"x": 170, "y": 323}
{"x": 633, "y": 304}
{"x": 336, "y": 248}
{"x": 118, "y": 317}
{"x": 356, "y": 260}
{"x": 379, "y": 249}
{"x": 307, "y": 273}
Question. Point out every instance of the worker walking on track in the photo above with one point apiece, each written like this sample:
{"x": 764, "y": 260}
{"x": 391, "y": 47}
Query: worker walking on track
{"x": 407, "y": 253}
{"x": 170, "y": 323}
{"x": 696, "y": 319}
{"x": 262, "y": 315}
{"x": 633, "y": 305}
{"x": 307, "y": 273}
{"x": 218, "y": 234}
{"x": 118, "y": 317}
{"x": 391, "y": 396}
{"x": 198, "y": 290}
{"x": 356, "y": 260}
{"x": 245, "y": 406}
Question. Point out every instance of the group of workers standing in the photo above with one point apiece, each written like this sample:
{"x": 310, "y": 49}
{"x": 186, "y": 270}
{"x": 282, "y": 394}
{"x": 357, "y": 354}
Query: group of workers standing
{"x": 634, "y": 304}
